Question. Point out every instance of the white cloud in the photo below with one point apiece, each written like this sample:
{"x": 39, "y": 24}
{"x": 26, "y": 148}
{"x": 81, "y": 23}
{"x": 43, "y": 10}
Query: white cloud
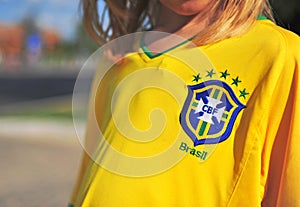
{"x": 63, "y": 23}
{"x": 33, "y": 1}
{"x": 61, "y": 16}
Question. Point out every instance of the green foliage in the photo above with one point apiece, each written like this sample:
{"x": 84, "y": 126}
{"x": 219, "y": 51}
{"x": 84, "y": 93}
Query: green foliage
{"x": 80, "y": 46}
{"x": 84, "y": 41}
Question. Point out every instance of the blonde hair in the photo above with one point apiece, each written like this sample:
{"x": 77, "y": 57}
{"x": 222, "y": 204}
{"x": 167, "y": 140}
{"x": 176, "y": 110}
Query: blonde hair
{"x": 227, "y": 18}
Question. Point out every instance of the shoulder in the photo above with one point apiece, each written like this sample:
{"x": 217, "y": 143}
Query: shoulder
{"x": 273, "y": 35}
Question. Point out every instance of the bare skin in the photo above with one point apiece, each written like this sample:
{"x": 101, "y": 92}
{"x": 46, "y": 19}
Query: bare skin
{"x": 184, "y": 18}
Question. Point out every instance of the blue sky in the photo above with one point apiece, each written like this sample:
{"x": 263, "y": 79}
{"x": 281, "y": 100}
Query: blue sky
{"x": 61, "y": 15}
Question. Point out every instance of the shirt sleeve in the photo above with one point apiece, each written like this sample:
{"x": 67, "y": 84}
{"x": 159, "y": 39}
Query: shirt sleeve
{"x": 283, "y": 182}
{"x": 101, "y": 88}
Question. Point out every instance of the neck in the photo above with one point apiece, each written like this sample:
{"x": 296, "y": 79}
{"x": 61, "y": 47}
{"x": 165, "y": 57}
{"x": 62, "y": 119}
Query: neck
{"x": 185, "y": 26}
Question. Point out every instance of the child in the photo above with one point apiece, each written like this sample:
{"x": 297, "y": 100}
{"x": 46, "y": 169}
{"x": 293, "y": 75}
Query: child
{"x": 235, "y": 131}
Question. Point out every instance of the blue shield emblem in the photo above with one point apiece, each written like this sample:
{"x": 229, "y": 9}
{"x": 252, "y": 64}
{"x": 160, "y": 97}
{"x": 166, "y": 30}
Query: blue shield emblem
{"x": 209, "y": 112}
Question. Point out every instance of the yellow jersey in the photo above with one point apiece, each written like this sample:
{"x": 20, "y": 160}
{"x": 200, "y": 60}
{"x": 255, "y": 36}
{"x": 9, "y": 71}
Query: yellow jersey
{"x": 182, "y": 131}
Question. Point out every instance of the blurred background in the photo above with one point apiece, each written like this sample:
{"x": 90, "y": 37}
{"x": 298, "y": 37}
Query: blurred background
{"x": 42, "y": 48}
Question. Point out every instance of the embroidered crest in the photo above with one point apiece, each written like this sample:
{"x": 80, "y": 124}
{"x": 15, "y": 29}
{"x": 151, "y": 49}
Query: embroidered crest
{"x": 209, "y": 112}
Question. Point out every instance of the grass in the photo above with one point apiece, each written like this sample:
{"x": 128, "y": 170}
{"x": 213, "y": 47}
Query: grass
{"x": 50, "y": 108}
{"x": 42, "y": 114}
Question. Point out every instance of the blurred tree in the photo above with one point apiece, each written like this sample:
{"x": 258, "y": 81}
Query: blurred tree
{"x": 287, "y": 13}
{"x": 83, "y": 41}
{"x": 29, "y": 24}
{"x": 73, "y": 51}
{"x": 32, "y": 41}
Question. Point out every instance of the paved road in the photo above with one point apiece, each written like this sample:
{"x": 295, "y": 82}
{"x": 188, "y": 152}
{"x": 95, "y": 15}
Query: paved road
{"x": 25, "y": 87}
{"x": 37, "y": 168}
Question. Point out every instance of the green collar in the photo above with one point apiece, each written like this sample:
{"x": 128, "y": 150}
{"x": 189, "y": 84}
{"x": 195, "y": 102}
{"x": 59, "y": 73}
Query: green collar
{"x": 261, "y": 17}
{"x": 151, "y": 55}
